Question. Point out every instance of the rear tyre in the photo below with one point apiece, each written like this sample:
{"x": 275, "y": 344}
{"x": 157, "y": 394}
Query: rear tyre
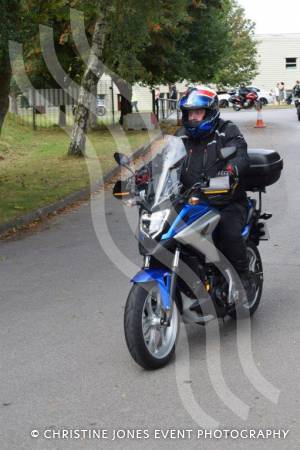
{"x": 298, "y": 112}
{"x": 256, "y": 268}
{"x": 150, "y": 344}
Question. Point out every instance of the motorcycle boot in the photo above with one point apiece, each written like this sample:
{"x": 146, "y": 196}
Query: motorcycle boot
{"x": 248, "y": 281}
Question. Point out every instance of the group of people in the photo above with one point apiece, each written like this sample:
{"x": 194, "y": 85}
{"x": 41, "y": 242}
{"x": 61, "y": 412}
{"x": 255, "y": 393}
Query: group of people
{"x": 280, "y": 94}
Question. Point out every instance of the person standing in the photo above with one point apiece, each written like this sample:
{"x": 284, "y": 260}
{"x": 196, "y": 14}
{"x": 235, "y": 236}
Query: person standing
{"x": 156, "y": 101}
{"x": 296, "y": 89}
{"x": 134, "y": 101}
{"x": 281, "y": 92}
{"x": 276, "y": 90}
{"x": 273, "y": 95}
{"x": 173, "y": 97}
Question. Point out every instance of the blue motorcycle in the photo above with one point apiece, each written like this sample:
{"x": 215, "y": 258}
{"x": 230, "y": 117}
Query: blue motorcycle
{"x": 184, "y": 274}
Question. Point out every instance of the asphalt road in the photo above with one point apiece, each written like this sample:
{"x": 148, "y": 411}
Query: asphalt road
{"x": 64, "y": 363}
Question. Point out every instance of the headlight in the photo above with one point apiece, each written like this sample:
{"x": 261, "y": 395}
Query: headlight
{"x": 153, "y": 224}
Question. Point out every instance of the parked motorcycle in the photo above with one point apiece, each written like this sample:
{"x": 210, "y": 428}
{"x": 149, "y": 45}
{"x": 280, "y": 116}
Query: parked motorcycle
{"x": 183, "y": 273}
{"x": 248, "y": 101}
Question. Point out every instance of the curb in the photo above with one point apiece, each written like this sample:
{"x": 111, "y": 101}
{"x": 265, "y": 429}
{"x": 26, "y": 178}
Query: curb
{"x": 84, "y": 194}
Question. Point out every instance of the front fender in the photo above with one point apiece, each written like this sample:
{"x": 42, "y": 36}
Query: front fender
{"x": 161, "y": 277}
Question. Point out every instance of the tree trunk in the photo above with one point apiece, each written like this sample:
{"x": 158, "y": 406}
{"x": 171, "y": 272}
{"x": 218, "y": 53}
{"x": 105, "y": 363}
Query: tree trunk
{"x": 62, "y": 122}
{"x": 5, "y": 77}
{"x": 89, "y": 81}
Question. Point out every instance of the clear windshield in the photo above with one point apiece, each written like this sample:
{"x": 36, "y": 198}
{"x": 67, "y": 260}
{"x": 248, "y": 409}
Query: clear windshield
{"x": 166, "y": 171}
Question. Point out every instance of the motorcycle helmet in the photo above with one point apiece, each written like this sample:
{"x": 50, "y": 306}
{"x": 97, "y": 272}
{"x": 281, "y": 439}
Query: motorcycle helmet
{"x": 200, "y": 98}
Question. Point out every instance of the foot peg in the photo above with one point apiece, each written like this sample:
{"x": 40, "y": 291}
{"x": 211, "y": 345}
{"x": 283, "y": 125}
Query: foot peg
{"x": 266, "y": 216}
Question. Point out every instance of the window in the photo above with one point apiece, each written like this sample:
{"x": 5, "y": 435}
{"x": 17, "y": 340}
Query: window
{"x": 291, "y": 63}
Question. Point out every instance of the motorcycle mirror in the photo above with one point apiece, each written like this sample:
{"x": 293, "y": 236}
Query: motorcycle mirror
{"x": 227, "y": 152}
{"x": 121, "y": 159}
{"x": 120, "y": 190}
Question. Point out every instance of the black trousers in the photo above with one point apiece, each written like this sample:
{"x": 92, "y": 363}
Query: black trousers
{"x": 228, "y": 235}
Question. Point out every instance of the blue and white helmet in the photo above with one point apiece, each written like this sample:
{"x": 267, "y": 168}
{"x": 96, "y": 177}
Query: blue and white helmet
{"x": 200, "y": 98}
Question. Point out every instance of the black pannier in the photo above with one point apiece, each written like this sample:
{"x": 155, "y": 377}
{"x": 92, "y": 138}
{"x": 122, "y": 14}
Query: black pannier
{"x": 265, "y": 169}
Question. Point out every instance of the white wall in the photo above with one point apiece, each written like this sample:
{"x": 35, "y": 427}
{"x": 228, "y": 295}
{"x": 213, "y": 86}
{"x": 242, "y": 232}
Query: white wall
{"x": 143, "y": 93}
{"x": 273, "y": 49}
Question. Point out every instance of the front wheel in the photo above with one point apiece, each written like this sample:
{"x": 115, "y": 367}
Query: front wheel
{"x": 298, "y": 112}
{"x": 256, "y": 269}
{"x": 151, "y": 344}
{"x": 236, "y": 107}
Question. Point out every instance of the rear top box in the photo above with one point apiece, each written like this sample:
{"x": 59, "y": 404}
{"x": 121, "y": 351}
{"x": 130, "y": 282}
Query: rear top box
{"x": 265, "y": 169}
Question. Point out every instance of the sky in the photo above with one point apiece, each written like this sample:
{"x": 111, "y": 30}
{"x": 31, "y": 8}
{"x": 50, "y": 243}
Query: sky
{"x": 272, "y": 16}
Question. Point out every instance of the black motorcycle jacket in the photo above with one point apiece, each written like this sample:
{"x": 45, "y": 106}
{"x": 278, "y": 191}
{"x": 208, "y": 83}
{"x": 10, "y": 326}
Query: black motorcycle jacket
{"x": 202, "y": 156}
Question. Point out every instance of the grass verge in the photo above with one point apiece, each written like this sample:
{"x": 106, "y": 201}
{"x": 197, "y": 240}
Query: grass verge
{"x": 36, "y": 171}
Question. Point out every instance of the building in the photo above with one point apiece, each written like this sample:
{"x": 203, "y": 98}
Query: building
{"x": 142, "y": 93}
{"x": 279, "y": 60}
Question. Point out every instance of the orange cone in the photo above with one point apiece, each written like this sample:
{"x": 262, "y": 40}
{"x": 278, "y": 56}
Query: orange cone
{"x": 259, "y": 121}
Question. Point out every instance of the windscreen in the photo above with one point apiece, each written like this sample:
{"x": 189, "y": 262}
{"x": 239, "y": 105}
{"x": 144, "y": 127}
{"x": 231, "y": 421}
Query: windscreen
{"x": 166, "y": 173}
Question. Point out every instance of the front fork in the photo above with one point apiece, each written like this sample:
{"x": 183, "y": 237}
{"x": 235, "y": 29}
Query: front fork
{"x": 173, "y": 282}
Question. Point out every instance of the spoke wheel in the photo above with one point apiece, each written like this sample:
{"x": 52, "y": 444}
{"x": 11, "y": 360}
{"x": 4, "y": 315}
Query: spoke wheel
{"x": 150, "y": 341}
{"x": 158, "y": 338}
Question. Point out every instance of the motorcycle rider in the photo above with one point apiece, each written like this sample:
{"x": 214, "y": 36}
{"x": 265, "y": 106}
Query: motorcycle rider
{"x": 243, "y": 91}
{"x": 207, "y": 133}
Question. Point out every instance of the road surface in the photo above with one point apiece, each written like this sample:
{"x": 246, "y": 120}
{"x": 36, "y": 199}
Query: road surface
{"x": 64, "y": 362}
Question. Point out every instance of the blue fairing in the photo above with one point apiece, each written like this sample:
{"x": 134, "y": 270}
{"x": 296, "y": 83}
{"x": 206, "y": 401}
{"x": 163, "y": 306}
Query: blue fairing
{"x": 161, "y": 277}
{"x": 187, "y": 215}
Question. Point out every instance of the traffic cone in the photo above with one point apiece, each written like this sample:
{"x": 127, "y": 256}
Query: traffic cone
{"x": 259, "y": 121}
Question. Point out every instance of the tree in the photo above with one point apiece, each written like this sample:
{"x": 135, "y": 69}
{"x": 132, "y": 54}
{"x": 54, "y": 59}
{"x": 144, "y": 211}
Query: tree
{"x": 238, "y": 63}
{"x": 10, "y": 11}
{"x": 212, "y": 42}
{"x": 205, "y": 40}
{"x": 89, "y": 81}
{"x": 151, "y": 42}
{"x": 124, "y": 36}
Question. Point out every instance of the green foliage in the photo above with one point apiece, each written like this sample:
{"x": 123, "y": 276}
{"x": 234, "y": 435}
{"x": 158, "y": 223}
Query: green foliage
{"x": 164, "y": 58}
{"x": 238, "y": 62}
{"x": 157, "y": 41}
{"x": 10, "y": 25}
{"x": 205, "y": 39}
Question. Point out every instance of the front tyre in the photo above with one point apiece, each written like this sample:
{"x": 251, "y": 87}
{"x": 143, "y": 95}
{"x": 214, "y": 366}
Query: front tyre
{"x": 256, "y": 269}
{"x": 151, "y": 344}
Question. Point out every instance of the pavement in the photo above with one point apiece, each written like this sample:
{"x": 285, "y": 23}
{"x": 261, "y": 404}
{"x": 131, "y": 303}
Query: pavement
{"x": 64, "y": 361}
